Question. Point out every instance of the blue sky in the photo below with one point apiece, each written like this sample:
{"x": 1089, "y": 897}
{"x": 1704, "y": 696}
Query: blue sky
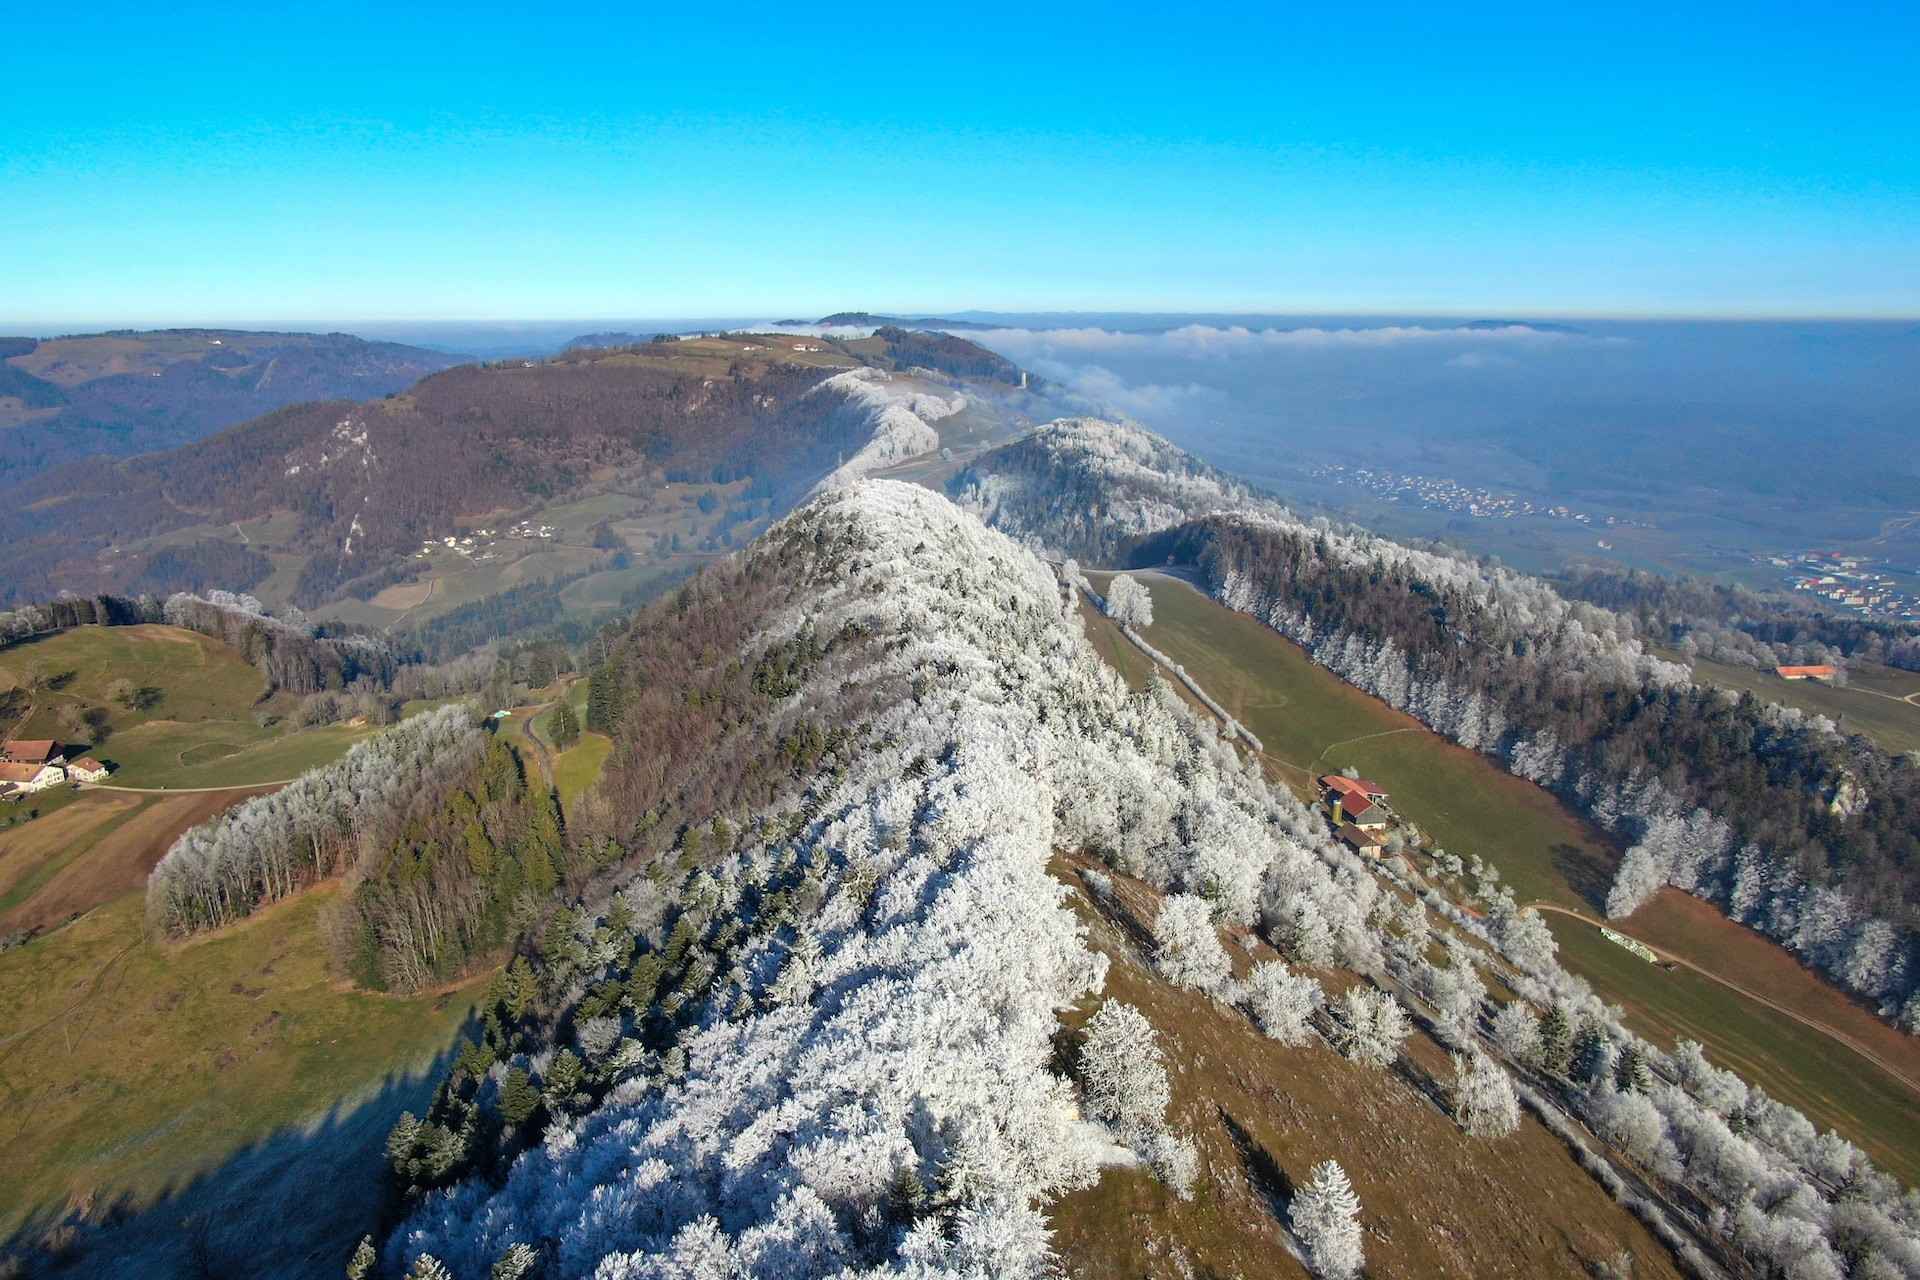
{"x": 233, "y": 165}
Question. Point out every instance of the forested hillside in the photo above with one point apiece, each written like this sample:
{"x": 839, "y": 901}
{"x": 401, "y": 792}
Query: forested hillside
{"x": 358, "y": 488}
{"x": 806, "y": 1017}
{"x": 132, "y": 392}
{"x": 1801, "y": 832}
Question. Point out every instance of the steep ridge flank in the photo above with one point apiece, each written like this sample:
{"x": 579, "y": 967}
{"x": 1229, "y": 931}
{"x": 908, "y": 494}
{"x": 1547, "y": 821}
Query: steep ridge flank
{"x": 863, "y": 986}
{"x": 1733, "y": 800}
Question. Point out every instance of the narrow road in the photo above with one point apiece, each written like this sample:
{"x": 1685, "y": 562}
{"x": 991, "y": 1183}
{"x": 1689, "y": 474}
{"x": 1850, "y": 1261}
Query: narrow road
{"x": 178, "y": 791}
{"x": 1831, "y": 1033}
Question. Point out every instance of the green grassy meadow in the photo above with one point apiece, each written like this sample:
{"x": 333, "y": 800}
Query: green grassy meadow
{"x": 1871, "y": 702}
{"x": 199, "y": 732}
{"x": 1312, "y": 722}
{"x": 129, "y": 1067}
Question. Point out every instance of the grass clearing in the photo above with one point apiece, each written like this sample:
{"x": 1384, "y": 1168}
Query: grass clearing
{"x": 198, "y": 678}
{"x": 224, "y": 754}
{"x": 1869, "y": 703}
{"x": 1313, "y": 722}
{"x": 131, "y": 1067}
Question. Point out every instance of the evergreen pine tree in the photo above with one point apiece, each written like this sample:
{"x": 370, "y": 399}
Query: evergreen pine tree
{"x": 1556, "y": 1041}
{"x": 522, "y": 988}
{"x": 518, "y": 1098}
{"x": 1630, "y": 1074}
{"x": 1591, "y": 1054}
{"x": 1325, "y": 1214}
{"x": 360, "y": 1266}
{"x": 564, "y": 1075}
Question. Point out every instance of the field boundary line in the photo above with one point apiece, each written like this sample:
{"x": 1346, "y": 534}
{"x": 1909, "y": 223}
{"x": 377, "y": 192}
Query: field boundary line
{"x": 1832, "y": 1033}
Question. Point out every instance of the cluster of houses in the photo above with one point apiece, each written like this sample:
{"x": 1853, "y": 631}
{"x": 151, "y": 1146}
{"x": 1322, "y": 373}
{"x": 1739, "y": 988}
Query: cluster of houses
{"x": 1849, "y": 581}
{"x": 1358, "y": 810}
{"x": 34, "y": 764}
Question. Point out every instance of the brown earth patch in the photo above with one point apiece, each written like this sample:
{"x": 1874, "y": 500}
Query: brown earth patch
{"x": 1434, "y": 1202}
{"x": 27, "y": 846}
{"x": 119, "y": 863}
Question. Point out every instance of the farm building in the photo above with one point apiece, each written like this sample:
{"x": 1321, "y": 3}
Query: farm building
{"x": 1336, "y": 784}
{"x": 27, "y": 776}
{"x": 86, "y": 769}
{"x": 31, "y": 751}
{"x": 1360, "y": 841}
{"x": 1364, "y": 814}
{"x": 1821, "y": 672}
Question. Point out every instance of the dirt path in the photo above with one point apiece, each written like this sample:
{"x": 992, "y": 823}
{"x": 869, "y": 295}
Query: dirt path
{"x": 177, "y": 791}
{"x": 1669, "y": 957}
{"x": 1366, "y": 737}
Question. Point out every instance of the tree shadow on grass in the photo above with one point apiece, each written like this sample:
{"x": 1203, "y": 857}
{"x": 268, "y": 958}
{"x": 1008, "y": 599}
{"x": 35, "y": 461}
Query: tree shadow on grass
{"x": 1586, "y": 871}
{"x": 290, "y": 1205}
{"x": 1262, "y": 1170}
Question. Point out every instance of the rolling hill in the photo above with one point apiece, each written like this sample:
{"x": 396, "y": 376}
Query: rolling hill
{"x": 318, "y": 501}
{"x": 130, "y": 392}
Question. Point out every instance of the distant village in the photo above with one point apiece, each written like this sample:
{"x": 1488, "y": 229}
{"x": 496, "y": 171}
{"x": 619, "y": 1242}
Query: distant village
{"x": 1848, "y": 582}
{"x": 473, "y": 548}
{"x": 28, "y": 765}
{"x": 1436, "y": 493}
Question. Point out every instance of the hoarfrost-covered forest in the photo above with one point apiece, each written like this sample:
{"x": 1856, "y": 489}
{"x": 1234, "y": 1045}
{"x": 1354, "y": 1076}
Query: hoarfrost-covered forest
{"x": 1738, "y": 801}
{"x": 812, "y": 1033}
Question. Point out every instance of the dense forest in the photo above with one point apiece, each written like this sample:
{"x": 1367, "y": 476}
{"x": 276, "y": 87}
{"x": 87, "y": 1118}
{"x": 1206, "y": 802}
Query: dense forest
{"x": 1808, "y": 835}
{"x": 447, "y": 845}
{"x": 126, "y": 393}
{"x": 1733, "y": 624}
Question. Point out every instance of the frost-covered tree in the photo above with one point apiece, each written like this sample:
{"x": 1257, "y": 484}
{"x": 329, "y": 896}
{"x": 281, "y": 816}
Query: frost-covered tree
{"x": 1283, "y": 1003}
{"x": 1369, "y": 1026}
{"x": 1483, "y": 1096}
{"x": 1187, "y": 948}
{"x": 1325, "y": 1214}
{"x": 1129, "y": 603}
{"x": 1123, "y": 1076}
{"x": 1517, "y": 1031}
{"x": 1122, "y": 1071}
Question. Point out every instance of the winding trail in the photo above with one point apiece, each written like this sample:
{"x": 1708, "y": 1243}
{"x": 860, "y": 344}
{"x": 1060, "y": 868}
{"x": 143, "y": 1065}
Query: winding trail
{"x": 1824, "y": 1029}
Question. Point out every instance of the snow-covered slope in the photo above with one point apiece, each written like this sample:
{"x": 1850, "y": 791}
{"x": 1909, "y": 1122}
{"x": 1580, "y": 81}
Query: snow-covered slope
{"x": 1084, "y": 486}
{"x": 900, "y": 1030}
{"x": 898, "y": 412}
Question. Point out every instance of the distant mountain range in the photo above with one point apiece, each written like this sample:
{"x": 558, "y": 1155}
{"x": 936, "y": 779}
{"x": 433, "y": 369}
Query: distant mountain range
{"x": 861, "y": 319}
{"x": 129, "y": 392}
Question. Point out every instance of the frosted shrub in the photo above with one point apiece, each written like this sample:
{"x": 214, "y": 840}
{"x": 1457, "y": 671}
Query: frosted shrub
{"x": 1187, "y": 948}
{"x": 1283, "y": 1003}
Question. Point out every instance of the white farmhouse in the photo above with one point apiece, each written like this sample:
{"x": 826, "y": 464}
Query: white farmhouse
{"x": 32, "y": 777}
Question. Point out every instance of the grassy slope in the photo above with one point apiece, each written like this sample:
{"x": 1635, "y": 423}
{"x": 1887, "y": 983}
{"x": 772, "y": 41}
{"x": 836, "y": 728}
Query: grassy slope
{"x": 130, "y": 1067}
{"x": 1434, "y": 1201}
{"x": 578, "y": 768}
{"x": 200, "y": 734}
{"x": 1470, "y": 805}
{"x": 1870, "y": 703}
{"x": 199, "y": 678}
